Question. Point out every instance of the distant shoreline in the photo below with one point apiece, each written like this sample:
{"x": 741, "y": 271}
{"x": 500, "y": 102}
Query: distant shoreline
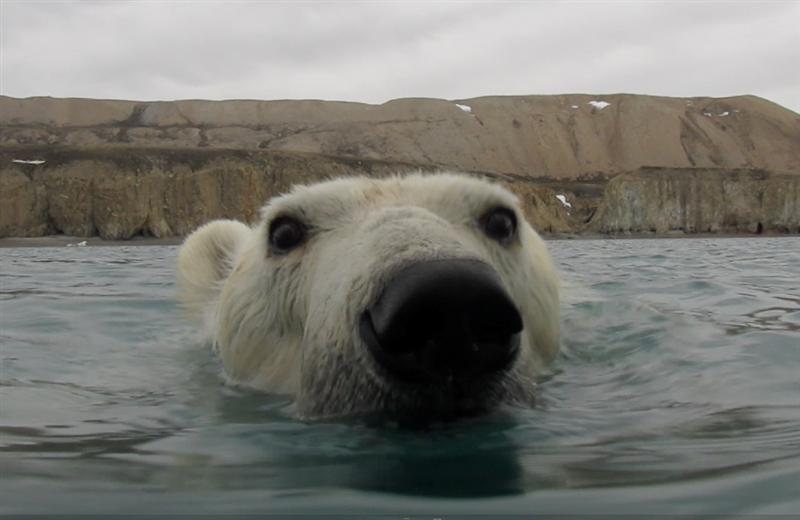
{"x": 72, "y": 241}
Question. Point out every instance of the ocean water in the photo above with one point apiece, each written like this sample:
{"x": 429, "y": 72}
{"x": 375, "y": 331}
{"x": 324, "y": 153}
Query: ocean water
{"x": 678, "y": 391}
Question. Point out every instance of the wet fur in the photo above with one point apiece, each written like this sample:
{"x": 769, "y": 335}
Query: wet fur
{"x": 289, "y": 323}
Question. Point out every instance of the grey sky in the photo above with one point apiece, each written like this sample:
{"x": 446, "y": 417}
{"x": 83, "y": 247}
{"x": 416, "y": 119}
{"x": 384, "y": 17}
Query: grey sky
{"x": 376, "y": 51}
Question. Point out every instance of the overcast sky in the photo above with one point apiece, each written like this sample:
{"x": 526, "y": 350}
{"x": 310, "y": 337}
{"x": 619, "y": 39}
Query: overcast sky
{"x": 376, "y": 51}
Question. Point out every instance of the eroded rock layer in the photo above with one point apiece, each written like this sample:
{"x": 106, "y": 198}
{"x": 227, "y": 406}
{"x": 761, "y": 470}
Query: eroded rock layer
{"x": 119, "y": 169}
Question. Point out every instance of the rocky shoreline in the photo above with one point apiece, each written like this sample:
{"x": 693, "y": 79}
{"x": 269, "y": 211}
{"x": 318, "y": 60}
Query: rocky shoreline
{"x": 639, "y": 166}
{"x": 165, "y": 193}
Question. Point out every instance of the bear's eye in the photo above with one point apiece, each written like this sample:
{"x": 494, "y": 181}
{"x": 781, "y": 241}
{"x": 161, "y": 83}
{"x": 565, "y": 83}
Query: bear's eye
{"x": 286, "y": 233}
{"x": 500, "y": 224}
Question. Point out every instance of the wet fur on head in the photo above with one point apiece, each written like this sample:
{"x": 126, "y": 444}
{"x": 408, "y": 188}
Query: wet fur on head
{"x": 288, "y": 323}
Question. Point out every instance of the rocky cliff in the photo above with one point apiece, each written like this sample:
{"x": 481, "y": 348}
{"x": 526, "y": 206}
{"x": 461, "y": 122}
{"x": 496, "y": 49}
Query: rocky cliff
{"x": 121, "y": 168}
{"x": 659, "y": 200}
{"x": 119, "y": 194}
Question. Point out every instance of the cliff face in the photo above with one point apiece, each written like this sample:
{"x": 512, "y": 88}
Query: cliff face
{"x": 120, "y": 168}
{"x": 161, "y": 193}
{"x": 660, "y": 200}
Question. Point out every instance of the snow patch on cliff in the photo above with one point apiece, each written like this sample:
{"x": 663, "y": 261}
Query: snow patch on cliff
{"x": 25, "y": 161}
{"x": 599, "y": 105}
{"x": 563, "y": 200}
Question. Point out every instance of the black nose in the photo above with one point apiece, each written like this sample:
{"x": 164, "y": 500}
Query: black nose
{"x": 443, "y": 319}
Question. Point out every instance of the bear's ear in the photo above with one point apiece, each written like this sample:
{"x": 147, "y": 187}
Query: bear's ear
{"x": 204, "y": 261}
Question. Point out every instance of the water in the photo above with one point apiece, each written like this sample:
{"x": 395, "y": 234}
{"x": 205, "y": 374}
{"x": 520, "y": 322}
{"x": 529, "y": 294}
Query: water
{"x": 678, "y": 391}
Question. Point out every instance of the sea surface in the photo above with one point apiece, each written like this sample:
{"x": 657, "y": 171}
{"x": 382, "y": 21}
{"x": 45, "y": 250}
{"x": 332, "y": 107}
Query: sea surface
{"x": 677, "y": 391}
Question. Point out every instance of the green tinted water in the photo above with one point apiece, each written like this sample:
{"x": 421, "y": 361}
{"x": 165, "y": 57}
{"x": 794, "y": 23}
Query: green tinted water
{"x": 678, "y": 391}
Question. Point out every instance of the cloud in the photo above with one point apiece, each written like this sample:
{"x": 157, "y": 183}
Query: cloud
{"x": 382, "y": 50}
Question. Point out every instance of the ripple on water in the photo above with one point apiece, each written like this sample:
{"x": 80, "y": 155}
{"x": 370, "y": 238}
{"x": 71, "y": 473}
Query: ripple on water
{"x": 676, "y": 388}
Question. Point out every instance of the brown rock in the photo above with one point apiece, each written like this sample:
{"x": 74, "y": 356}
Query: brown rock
{"x": 122, "y": 168}
{"x": 528, "y": 136}
{"x": 23, "y": 204}
{"x": 661, "y": 200}
{"x": 70, "y": 189}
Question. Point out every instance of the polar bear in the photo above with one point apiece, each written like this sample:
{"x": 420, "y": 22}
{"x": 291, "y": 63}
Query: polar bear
{"x": 417, "y": 294}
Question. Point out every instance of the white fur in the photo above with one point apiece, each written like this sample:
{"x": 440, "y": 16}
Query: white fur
{"x": 289, "y": 323}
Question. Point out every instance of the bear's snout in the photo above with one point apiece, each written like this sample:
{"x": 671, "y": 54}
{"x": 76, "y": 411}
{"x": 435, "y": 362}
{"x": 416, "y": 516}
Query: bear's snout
{"x": 443, "y": 320}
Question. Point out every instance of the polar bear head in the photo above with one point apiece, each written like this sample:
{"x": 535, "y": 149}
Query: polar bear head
{"x": 416, "y": 294}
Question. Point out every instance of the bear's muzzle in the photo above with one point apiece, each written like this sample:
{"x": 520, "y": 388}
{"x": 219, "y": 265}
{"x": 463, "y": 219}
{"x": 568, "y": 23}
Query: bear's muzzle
{"x": 443, "y": 321}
